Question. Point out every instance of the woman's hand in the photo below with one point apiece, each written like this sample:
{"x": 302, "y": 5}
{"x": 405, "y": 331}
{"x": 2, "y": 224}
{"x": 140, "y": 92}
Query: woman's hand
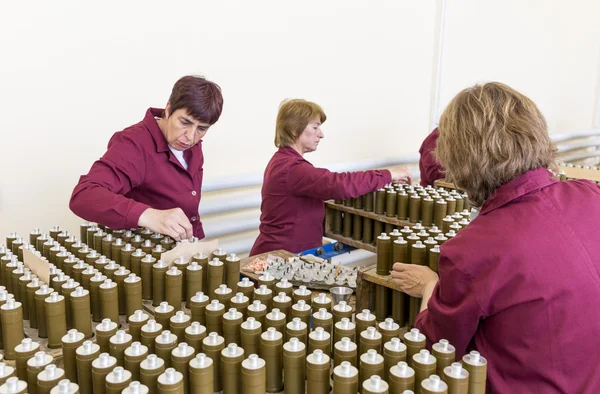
{"x": 414, "y": 280}
{"x": 400, "y": 174}
{"x": 171, "y": 222}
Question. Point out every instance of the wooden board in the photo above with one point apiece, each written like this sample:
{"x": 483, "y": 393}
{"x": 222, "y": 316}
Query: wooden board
{"x": 372, "y": 215}
{"x": 284, "y": 254}
{"x": 351, "y": 242}
{"x": 581, "y": 173}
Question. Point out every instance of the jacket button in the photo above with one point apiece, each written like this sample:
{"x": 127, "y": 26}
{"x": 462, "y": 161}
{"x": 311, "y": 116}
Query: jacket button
{"x": 193, "y": 193}
{"x": 193, "y": 218}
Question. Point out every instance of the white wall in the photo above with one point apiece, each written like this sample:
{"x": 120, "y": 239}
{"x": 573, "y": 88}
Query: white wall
{"x": 73, "y": 72}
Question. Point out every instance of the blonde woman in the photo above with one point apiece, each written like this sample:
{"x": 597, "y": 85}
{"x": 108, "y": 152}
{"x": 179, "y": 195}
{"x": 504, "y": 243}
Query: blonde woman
{"x": 294, "y": 191}
{"x": 521, "y": 283}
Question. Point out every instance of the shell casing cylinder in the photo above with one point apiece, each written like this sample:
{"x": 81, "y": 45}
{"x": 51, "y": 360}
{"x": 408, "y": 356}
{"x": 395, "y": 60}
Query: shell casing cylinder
{"x": 167, "y": 243}
{"x": 297, "y": 329}
{"x": 324, "y": 320}
{"x": 14, "y": 386}
{"x": 201, "y": 375}
{"x": 86, "y": 277}
{"x": 341, "y": 310}
{"x": 450, "y": 206}
{"x": 414, "y": 208}
{"x": 284, "y": 304}
{"x": 439, "y": 212}
{"x": 357, "y": 202}
{"x": 224, "y": 295}
{"x": 40, "y": 308}
{"x": 118, "y": 343}
{"x": 146, "y": 273}
{"x": 194, "y": 335}
{"x": 80, "y": 311}
{"x": 433, "y": 385}
{"x": 66, "y": 387}
{"x": 147, "y": 246}
{"x": 23, "y": 352}
{"x": 317, "y": 372}
{"x": 117, "y": 380}
{"x": 389, "y": 329}
{"x": 271, "y": 350}
{"x": 371, "y": 363}
{"x": 445, "y": 354}
{"x": 219, "y": 254}
{"x": 115, "y": 250}
{"x": 231, "y": 358}
{"x": 250, "y": 335}
{"x": 284, "y": 286}
{"x": 214, "y": 317}
{"x": 178, "y": 323}
{"x": 345, "y": 350}
{"x": 35, "y": 365}
{"x": 56, "y": 319}
{"x": 97, "y": 240}
{"x": 246, "y": 286}
{"x": 16, "y": 290}
{"x": 49, "y": 378}
{"x": 7, "y": 372}
{"x": 390, "y": 203}
{"x": 16, "y": 248}
{"x": 232, "y": 271}
{"x": 394, "y": 351}
{"x": 70, "y": 343}
{"x": 119, "y": 277}
{"x": 364, "y": 320}
{"x": 150, "y": 369}
{"x": 347, "y": 221}
{"x": 109, "y": 301}
{"x": 104, "y": 331}
{"x": 402, "y": 205}
{"x": 136, "y": 321}
{"x": 134, "y": 355}
{"x": 322, "y": 301}
{"x": 101, "y": 367}
{"x": 264, "y": 295}
{"x": 126, "y": 255}
{"x": 106, "y": 249}
{"x": 375, "y": 385}
{"x": 466, "y": 204}
{"x": 345, "y": 379}
{"x": 418, "y": 254}
{"x": 7, "y": 274}
{"x": 240, "y": 302}
{"x": 164, "y": 345}
{"x": 78, "y": 269}
{"x": 401, "y": 378}
{"x": 95, "y": 283}
{"x": 476, "y": 365}
{"x": 174, "y": 287}
{"x": 198, "y": 305}
{"x": 336, "y": 226}
{"x": 368, "y": 202}
{"x": 344, "y": 329}
{"x": 202, "y": 261}
{"x": 268, "y": 280}
{"x": 33, "y": 236}
{"x": 415, "y": 342}
{"x": 57, "y": 282}
{"x": 258, "y": 311}
{"x": 381, "y": 302}
{"x": 66, "y": 291}
{"x": 434, "y": 258}
{"x": 132, "y": 291}
{"x": 367, "y": 234}
{"x": 254, "y": 375}
{"x": 370, "y": 339}
{"x": 84, "y": 355}
{"x": 212, "y": 346}
{"x": 193, "y": 282}
{"x": 83, "y": 231}
{"x": 163, "y": 314}
{"x": 294, "y": 369}
{"x": 136, "y": 242}
{"x": 159, "y": 271}
{"x": 388, "y": 227}
{"x": 380, "y": 201}
{"x": 302, "y": 311}
{"x": 4, "y": 261}
{"x": 319, "y": 339}
{"x": 457, "y": 379}
{"x": 357, "y": 228}
{"x": 180, "y": 359}
{"x": 427, "y": 211}
{"x": 232, "y": 324}
{"x": 23, "y": 282}
{"x": 446, "y": 223}
{"x": 384, "y": 252}
{"x": 215, "y": 276}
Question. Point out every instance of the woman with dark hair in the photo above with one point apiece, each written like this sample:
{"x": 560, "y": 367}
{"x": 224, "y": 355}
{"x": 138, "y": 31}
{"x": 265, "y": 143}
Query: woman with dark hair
{"x": 521, "y": 282}
{"x": 294, "y": 191}
{"x": 151, "y": 173}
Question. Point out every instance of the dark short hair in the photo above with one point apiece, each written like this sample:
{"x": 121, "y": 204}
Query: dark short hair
{"x": 201, "y": 98}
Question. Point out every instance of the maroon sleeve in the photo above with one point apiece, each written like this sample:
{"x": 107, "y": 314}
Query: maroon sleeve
{"x": 306, "y": 180}
{"x": 99, "y": 195}
{"x": 453, "y": 312}
{"x": 430, "y": 169}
